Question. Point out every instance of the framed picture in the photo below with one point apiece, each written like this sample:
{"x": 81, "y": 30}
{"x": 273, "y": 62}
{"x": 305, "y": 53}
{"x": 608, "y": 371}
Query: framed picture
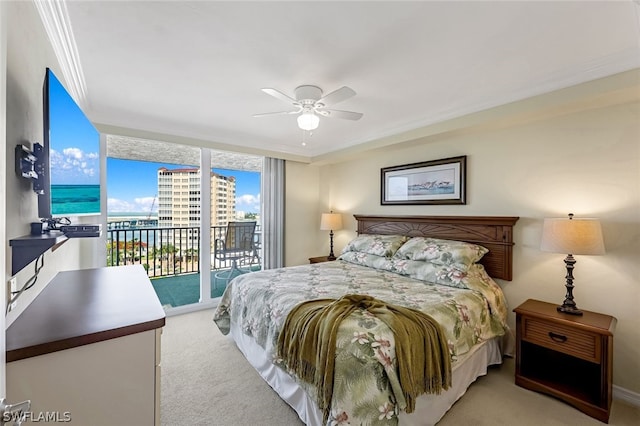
{"x": 430, "y": 182}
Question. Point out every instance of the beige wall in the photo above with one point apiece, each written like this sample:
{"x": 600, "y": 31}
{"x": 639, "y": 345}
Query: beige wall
{"x": 584, "y": 162}
{"x": 302, "y": 213}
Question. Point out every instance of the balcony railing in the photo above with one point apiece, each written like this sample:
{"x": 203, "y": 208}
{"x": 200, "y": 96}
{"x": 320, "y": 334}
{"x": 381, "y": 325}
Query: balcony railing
{"x": 166, "y": 251}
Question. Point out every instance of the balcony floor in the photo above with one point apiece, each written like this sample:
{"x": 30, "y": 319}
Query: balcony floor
{"x": 184, "y": 289}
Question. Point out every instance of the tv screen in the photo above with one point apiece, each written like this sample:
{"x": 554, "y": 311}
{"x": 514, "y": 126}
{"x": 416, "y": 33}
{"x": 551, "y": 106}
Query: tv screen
{"x": 71, "y": 156}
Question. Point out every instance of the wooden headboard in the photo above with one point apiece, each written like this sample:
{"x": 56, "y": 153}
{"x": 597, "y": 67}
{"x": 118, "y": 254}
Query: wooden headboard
{"x": 492, "y": 232}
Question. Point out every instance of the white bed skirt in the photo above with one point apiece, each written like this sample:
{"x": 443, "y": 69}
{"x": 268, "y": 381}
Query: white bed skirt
{"x": 429, "y": 408}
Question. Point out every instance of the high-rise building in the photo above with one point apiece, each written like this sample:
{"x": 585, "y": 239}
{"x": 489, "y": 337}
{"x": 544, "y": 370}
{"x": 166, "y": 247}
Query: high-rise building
{"x": 223, "y": 199}
{"x": 179, "y": 198}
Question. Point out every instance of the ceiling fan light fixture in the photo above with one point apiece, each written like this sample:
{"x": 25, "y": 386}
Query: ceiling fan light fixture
{"x": 308, "y": 121}
{"x": 311, "y": 104}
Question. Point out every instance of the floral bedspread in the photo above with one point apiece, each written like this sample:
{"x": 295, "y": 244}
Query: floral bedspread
{"x": 366, "y": 387}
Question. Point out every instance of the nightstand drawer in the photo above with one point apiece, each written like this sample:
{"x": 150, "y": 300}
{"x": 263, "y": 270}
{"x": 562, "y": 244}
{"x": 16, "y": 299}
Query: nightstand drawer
{"x": 565, "y": 339}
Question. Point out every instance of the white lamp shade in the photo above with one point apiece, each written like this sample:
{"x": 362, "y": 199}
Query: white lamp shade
{"x": 331, "y": 222}
{"x": 572, "y": 236}
{"x": 308, "y": 121}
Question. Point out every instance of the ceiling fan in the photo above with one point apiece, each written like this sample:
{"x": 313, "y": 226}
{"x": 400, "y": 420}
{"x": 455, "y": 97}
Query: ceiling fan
{"x": 310, "y": 104}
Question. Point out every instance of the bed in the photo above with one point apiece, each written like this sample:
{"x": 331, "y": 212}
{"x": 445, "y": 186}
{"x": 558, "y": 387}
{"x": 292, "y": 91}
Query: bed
{"x": 441, "y": 265}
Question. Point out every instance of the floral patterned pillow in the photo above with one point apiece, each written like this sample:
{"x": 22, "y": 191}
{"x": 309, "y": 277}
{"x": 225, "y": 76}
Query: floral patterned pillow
{"x": 379, "y": 245}
{"x": 366, "y": 259}
{"x": 456, "y": 254}
{"x": 430, "y": 272}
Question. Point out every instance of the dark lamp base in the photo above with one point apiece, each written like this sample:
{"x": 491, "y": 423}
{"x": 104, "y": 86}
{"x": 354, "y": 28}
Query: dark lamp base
{"x": 569, "y": 306}
{"x": 568, "y": 309}
{"x": 331, "y": 255}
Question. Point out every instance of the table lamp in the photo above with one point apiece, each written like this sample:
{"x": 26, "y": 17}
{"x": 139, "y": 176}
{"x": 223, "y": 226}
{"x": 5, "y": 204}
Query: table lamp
{"x": 331, "y": 222}
{"x": 571, "y": 236}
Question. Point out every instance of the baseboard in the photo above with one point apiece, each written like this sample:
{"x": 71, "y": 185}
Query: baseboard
{"x": 179, "y": 310}
{"x": 626, "y": 395}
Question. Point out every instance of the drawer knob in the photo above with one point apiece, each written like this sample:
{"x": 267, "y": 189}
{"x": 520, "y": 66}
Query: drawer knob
{"x": 557, "y": 337}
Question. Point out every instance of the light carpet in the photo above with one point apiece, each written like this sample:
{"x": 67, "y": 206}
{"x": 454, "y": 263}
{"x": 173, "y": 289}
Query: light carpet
{"x": 207, "y": 381}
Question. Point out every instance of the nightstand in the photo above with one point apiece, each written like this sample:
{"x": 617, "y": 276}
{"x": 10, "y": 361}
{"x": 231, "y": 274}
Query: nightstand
{"x": 320, "y": 259}
{"x": 567, "y": 356}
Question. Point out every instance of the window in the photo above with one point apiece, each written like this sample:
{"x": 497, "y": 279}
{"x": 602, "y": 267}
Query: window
{"x": 173, "y": 204}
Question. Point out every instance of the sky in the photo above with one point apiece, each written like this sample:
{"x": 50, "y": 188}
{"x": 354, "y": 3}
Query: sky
{"x": 74, "y": 144}
{"x": 133, "y": 185}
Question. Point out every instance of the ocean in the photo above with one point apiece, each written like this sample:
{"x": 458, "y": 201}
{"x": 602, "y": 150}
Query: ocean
{"x": 74, "y": 200}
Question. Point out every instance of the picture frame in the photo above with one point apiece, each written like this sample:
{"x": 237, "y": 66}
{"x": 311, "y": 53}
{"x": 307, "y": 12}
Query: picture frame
{"x": 429, "y": 182}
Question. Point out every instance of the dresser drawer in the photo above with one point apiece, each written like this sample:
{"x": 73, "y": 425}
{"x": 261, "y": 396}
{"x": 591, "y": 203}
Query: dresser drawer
{"x": 565, "y": 339}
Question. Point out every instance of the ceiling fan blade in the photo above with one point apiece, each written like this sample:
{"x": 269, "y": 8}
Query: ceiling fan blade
{"x": 276, "y": 113}
{"x": 336, "y": 96}
{"x": 347, "y": 115}
{"x": 279, "y": 95}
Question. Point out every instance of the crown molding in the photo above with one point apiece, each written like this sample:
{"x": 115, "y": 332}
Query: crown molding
{"x": 57, "y": 24}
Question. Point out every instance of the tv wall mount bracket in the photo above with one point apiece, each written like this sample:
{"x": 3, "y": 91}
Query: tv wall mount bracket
{"x": 30, "y": 165}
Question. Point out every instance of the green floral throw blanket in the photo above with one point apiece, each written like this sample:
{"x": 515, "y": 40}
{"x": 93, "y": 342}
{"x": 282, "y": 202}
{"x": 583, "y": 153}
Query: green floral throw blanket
{"x": 307, "y": 346}
{"x": 366, "y": 378}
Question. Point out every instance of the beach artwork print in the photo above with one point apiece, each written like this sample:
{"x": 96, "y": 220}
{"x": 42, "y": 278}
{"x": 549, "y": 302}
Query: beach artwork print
{"x": 432, "y": 182}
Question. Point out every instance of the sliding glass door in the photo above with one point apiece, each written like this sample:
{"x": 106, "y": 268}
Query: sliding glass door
{"x": 235, "y": 217}
{"x": 172, "y": 218}
{"x": 153, "y": 215}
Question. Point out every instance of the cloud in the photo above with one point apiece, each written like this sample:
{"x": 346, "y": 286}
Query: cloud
{"x": 248, "y": 202}
{"x": 115, "y": 205}
{"x": 73, "y": 165}
{"x": 146, "y": 204}
{"x": 73, "y": 153}
{"x": 137, "y": 205}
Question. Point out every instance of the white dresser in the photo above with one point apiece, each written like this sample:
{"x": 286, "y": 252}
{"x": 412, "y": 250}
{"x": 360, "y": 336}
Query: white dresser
{"x": 87, "y": 349}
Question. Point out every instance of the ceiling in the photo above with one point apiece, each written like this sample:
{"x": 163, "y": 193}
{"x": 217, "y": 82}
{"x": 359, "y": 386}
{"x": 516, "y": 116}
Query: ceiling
{"x": 195, "y": 69}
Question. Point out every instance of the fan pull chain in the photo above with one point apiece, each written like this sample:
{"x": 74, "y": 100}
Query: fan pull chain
{"x": 305, "y": 133}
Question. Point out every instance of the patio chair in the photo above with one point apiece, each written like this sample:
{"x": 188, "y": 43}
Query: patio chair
{"x": 237, "y": 247}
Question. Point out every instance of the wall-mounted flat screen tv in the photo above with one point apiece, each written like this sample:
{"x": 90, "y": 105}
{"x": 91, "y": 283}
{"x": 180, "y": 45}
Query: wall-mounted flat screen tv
{"x": 70, "y": 183}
